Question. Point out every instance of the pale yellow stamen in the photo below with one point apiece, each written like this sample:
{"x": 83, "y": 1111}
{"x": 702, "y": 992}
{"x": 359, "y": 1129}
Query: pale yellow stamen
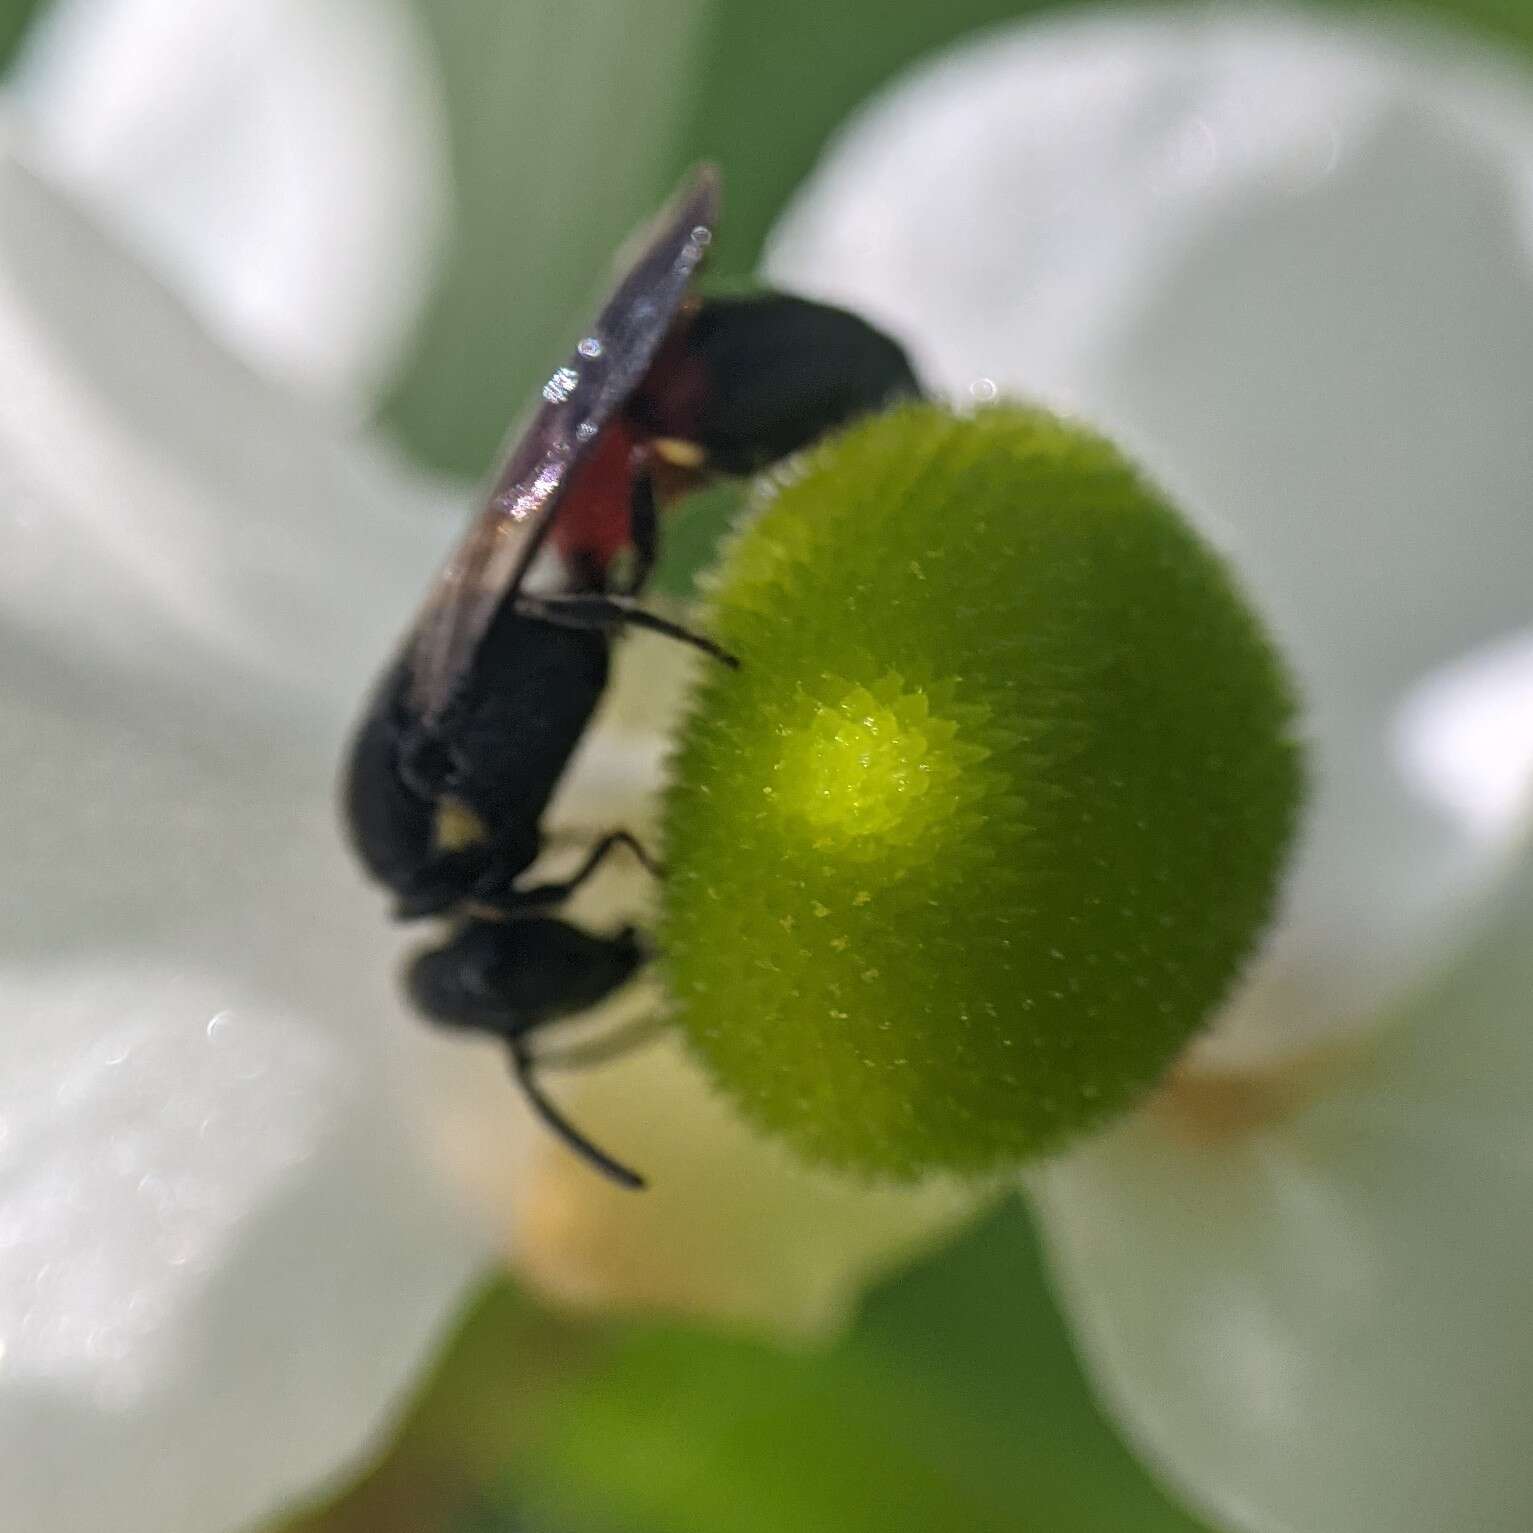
{"x": 1207, "y": 1106}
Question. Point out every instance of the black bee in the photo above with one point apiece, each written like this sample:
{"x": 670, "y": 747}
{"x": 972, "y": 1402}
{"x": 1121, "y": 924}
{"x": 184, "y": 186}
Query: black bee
{"x": 471, "y": 727}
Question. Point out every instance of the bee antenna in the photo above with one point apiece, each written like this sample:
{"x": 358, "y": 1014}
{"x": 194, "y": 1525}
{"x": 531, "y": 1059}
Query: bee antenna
{"x": 521, "y": 1066}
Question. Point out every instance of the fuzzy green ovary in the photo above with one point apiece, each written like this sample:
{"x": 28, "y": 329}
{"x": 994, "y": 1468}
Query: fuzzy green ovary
{"x": 983, "y": 827}
{"x": 872, "y": 769}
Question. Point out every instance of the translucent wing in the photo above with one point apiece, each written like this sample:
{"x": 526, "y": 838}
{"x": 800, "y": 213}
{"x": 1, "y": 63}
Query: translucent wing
{"x": 579, "y": 399}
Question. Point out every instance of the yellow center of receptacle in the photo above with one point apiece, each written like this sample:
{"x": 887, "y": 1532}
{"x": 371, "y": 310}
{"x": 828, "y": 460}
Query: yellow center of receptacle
{"x": 874, "y": 765}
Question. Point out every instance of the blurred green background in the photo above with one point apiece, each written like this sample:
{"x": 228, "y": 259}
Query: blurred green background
{"x": 955, "y": 1403}
{"x": 758, "y": 88}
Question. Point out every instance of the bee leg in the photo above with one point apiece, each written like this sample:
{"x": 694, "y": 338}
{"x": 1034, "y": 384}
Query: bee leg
{"x": 522, "y": 1064}
{"x": 609, "y": 612}
{"x": 599, "y": 1051}
{"x": 644, "y": 529}
{"x": 555, "y": 893}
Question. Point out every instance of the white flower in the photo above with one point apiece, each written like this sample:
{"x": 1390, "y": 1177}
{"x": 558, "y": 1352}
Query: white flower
{"x": 1289, "y": 266}
{"x": 221, "y": 1252}
{"x": 242, "y": 1191}
{"x": 280, "y": 162}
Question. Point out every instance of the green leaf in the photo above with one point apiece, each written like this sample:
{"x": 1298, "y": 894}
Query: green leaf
{"x": 956, "y": 1404}
{"x": 567, "y": 126}
{"x": 15, "y": 16}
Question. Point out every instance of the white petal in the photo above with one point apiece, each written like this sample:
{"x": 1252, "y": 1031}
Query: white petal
{"x": 167, "y": 512}
{"x": 281, "y": 162}
{"x": 222, "y": 1255}
{"x": 1465, "y": 737}
{"x": 1323, "y": 1322}
{"x": 1289, "y": 264}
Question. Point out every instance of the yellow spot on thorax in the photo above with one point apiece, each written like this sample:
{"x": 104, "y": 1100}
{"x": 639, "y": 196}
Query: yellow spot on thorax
{"x": 677, "y": 453}
{"x": 457, "y": 827}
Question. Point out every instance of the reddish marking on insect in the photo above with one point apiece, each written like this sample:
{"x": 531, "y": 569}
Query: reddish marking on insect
{"x": 592, "y": 525}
